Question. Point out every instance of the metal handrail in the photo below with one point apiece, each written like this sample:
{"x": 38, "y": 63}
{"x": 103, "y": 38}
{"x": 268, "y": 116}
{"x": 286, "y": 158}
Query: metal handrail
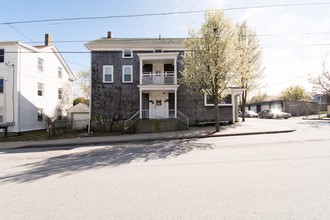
{"x": 182, "y": 117}
{"x": 131, "y": 121}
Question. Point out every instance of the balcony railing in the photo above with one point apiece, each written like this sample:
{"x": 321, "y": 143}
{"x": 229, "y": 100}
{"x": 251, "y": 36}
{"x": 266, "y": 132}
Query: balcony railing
{"x": 165, "y": 78}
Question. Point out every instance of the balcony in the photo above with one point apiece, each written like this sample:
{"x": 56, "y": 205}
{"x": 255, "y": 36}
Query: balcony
{"x": 159, "y": 78}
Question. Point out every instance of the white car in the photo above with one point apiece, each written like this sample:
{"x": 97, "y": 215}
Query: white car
{"x": 273, "y": 113}
{"x": 249, "y": 114}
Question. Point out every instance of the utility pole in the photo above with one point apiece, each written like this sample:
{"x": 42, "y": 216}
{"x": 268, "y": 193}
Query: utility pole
{"x": 9, "y": 65}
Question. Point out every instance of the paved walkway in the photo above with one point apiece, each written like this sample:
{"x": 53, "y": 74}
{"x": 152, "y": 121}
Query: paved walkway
{"x": 244, "y": 128}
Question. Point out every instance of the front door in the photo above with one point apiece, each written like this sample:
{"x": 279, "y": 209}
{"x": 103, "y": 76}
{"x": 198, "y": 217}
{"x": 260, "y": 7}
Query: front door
{"x": 158, "y": 73}
{"x": 158, "y": 105}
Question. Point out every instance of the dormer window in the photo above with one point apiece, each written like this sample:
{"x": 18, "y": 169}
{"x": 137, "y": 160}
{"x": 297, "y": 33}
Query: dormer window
{"x": 158, "y": 50}
{"x": 127, "y": 53}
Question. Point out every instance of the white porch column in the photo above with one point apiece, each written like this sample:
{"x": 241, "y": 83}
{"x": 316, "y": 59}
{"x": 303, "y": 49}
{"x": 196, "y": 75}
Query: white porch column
{"x": 175, "y": 73}
{"x": 140, "y": 104}
{"x": 175, "y": 104}
{"x": 141, "y": 69}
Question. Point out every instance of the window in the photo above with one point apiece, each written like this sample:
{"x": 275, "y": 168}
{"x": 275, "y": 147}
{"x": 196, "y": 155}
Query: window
{"x": 209, "y": 101}
{"x": 59, "y": 72}
{"x": 40, "y": 114}
{"x": 40, "y": 89}
{"x": 59, "y": 93}
{"x": 40, "y": 64}
{"x": 108, "y": 74}
{"x": 1, "y": 85}
{"x": 59, "y": 114}
{"x": 2, "y": 55}
{"x": 127, "y": 53}
{"x": 127, "y": 74}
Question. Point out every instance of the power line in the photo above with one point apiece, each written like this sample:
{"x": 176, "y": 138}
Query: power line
{"x": 19, "y": 32}
{"x": 164, "y": 13}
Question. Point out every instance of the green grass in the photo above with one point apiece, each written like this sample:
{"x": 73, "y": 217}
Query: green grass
{"x": 25, "y": 136}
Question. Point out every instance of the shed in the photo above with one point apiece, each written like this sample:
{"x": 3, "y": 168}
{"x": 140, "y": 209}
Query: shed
{"x": 79, "y": 115}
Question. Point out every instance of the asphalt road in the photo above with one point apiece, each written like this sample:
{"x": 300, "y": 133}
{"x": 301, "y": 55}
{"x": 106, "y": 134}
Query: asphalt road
{"x": 278, "y": 176}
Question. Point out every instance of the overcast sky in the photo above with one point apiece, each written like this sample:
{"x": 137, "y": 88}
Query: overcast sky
{"x": 294, "y": 38}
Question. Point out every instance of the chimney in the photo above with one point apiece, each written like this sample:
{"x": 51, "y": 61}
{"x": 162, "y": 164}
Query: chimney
{"x": 48, "y": 39}
{"x": 109, "y": 34}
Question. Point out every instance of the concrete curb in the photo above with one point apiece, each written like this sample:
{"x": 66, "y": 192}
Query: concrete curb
{"x": 106, "y": 142}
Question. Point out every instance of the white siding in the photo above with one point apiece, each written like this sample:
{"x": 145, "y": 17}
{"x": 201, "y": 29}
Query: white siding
{"x": 27, "y": 77}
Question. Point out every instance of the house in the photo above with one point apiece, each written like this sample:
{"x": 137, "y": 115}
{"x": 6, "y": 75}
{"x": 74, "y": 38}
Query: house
{"x": 79, "y": 116}
{"x": 321, "y": 99}
{"x": 140, "y": 77}
{"x": 35, "y": 85}
{"x": 295, "y": 108}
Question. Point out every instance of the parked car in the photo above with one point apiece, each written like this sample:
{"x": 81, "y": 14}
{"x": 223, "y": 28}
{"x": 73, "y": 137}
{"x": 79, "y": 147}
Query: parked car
{"x": 249, "y": 114}
{"x": 273, "y": 113}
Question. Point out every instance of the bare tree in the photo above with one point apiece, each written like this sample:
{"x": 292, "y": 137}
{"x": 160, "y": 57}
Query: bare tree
{"x": 321, "y": 83}
{"x": 83, "y": 83}
{"x": 250, "y": 71}
{"x": 211, "y": 58}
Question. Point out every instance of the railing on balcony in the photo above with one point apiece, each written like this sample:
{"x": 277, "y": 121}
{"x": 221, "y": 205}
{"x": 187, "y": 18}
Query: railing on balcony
{"x": 165, "y": 78}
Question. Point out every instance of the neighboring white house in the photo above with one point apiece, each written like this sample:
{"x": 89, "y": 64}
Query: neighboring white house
{"x": 79, "y": 115}
{"x": 35, "y": 84}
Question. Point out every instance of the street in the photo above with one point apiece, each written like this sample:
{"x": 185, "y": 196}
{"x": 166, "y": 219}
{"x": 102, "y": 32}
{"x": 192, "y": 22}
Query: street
{"x": 269, "y": 176}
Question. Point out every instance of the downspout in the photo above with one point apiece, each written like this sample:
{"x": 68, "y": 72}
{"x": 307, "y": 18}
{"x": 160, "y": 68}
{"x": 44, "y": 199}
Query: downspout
{"x": 18, "y": 70}
{"x": 90, "y": 97}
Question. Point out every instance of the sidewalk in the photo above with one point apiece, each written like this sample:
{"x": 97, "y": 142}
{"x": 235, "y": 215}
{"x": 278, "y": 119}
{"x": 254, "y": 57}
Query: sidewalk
{"x": 240, "y": 128}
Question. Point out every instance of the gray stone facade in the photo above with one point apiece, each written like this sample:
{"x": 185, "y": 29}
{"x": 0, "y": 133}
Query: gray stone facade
{"x": 119, "y": 101}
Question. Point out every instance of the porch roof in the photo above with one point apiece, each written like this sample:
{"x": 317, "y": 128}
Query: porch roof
{"x": 158, "y": 87}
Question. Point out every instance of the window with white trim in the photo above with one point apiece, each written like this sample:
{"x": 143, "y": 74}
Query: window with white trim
{"x": 40, "y": 114}
{"x": 40, "y": 89}
{"x": 2, "y": 55}
{"x": 127, "y": 74}
{"x": 40, "y": 64}
{"x": 127, "y": 53}
{"x": 59, "y": 114}
{"x": 1, "y": 85}
{"x": 209, "y": 101}
{"x": 59, "y": 93}
{"x": 108, "y": 74}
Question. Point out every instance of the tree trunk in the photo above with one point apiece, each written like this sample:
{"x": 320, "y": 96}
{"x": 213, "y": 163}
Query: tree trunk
{"x": 216, "y": 114}
{"x": 243, "y": 105}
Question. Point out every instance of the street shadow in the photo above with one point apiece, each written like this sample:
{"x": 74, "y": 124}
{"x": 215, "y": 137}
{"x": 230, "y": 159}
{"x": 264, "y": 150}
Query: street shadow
{"x": 110, "y": 156}
{"x": 317, "y": 123}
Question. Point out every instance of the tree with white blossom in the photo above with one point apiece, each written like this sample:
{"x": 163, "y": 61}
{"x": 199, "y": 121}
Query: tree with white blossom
{"x": 211, "y": 59}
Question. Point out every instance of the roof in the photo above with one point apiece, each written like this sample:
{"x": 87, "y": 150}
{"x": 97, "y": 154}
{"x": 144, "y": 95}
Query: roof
{"x": 79, "y": 108}
{"x": 40, "y": 49}
{"x": 135, "y": 43}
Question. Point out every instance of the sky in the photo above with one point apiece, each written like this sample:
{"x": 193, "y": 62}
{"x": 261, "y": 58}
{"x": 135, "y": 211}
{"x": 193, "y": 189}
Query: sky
{"x": 294, "y": 39}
